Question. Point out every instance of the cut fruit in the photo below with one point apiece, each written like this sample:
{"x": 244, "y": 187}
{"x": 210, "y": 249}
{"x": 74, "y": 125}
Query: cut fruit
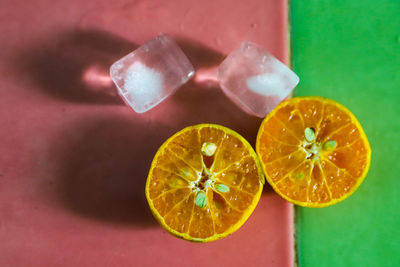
{"x": 204, "y": 183}
{"x": 313, "y": 151}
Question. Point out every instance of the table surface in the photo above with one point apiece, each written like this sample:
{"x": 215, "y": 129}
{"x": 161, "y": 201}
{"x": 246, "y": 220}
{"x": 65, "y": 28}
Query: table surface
{"x": 350, "y": 51}
{"x": 74, "y": 159}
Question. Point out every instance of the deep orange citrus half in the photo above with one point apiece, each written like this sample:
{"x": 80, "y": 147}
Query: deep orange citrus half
{"x": 313, "y": 151}
{"x": 204, "y": 183}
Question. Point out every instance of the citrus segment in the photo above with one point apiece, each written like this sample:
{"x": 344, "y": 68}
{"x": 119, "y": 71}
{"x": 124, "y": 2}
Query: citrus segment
{"x": 311, "y": 113}
{"x": 231, "y": 150}
{"x": 172, "y": 163}
{"x": 338, "y": 180}
{"x": 173, "y": 181}
{"x": 204, "y": 183}
{"x": 168, "y": 200}
{"x": 185, "y": 146}
{"x": 281, "y": 133}
{"x": 184, "y": 209}
{"x": 241, "y": 175}
{"x": 224, "y": 216}
{"x": 279, "y": 168}
{"x": 313, "y": 151}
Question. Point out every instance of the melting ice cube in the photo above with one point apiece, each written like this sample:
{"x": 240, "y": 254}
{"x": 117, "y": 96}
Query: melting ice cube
{"x": 255, "y": 80}
{"x": 151, "y": 73}
{"x": 143, "y": 83}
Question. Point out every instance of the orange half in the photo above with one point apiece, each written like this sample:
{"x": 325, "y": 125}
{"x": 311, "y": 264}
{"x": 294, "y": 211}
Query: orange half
{"x": 204, "y": 182}
{"x": 313, "y": 151}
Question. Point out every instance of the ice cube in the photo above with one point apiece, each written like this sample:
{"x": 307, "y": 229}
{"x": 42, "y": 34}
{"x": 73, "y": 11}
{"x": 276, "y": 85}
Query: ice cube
{"x": 255, "y": 80}
{"x": 151, "y": 73}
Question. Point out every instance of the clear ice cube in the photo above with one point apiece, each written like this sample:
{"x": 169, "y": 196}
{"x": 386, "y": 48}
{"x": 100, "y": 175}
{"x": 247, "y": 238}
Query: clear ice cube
{"x": 151, "y": 73}
{"x": 255, "y": 80}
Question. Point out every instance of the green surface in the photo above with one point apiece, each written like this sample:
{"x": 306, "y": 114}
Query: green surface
{"x": 350, "y": 51}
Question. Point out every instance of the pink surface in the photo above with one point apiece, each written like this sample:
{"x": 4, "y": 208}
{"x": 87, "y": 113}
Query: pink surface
{"x": 74, "y": 159}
